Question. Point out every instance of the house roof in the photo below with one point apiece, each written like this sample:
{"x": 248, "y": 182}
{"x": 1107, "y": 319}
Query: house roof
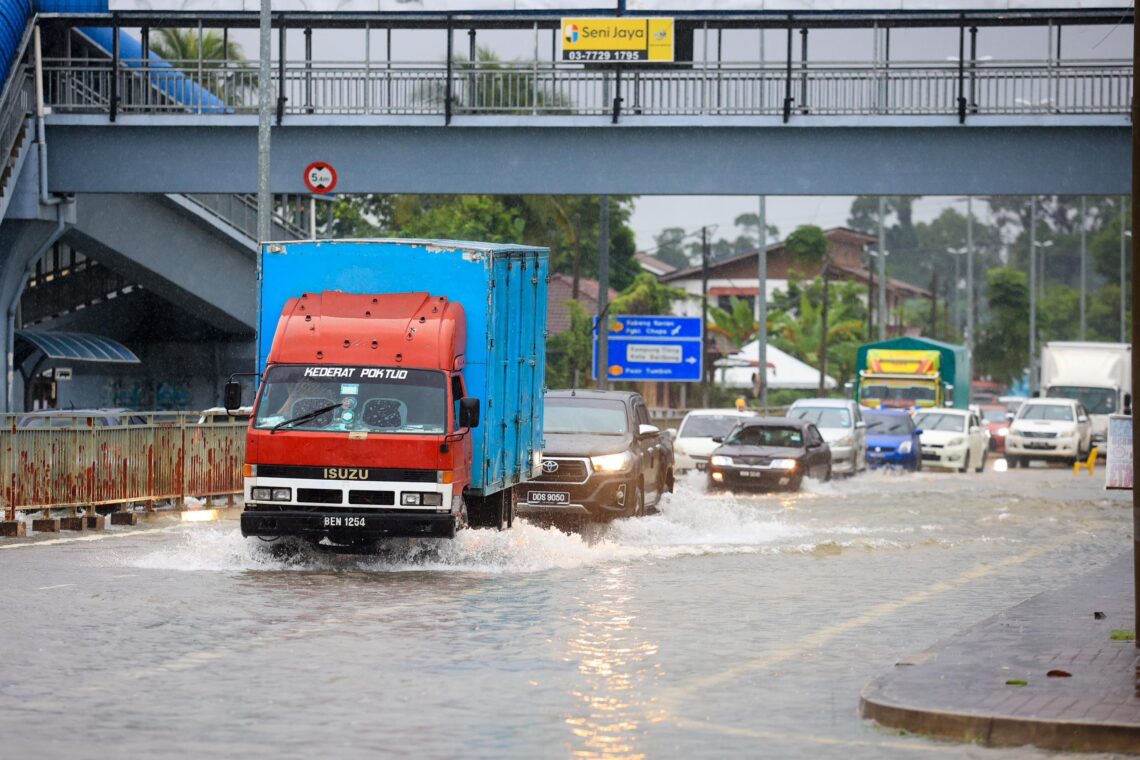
{"x": 558, "y": 296}
{"x": 654, "y": 264}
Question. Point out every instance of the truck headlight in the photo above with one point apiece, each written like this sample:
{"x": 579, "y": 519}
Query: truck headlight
{"x": 784, "y": 464}
{"x": 282, "y": 494}
{"x": 905, "y": 447}
{"x": 719, "y": 461}
{"x": 261, "y": 494}
{"x": 421, "y": 499}
{"x": 613, "y": 462}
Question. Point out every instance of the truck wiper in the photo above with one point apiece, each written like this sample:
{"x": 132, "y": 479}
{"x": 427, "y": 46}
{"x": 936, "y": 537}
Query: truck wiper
{"x": 304, "y": 417}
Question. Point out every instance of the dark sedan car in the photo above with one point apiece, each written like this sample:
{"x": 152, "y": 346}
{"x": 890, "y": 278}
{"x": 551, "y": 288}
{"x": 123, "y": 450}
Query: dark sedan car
{"x": 770, "y": 452}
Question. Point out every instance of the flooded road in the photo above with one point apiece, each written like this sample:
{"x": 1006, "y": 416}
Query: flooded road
{"x": 722, "y": 626}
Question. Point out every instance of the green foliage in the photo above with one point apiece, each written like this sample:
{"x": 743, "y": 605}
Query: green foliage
{"x": 570, "y": 354}
{"x": 182, "y": 46}
{"x": 798, "y": 329}
{"x": 807, "y": 245}
{"x": 738, "y": 325}
{"x": 670, "y": 247}
{"x": 1001, "y": 349}
{"x": 468, "y": 217}
{"x": 646, "y": 295}
{"x": 1122, "y": 635}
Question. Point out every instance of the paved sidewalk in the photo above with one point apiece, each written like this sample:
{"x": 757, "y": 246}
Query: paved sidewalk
{"x": 958, "y": 689}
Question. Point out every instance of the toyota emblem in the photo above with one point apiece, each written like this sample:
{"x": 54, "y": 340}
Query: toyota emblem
{"x": 549, "y": 466}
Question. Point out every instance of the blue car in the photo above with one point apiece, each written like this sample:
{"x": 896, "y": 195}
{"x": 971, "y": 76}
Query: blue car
{"x": 892, "y": 439}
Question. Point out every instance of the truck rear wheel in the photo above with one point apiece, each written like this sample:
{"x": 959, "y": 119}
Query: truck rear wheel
{"x": 496, "y": 510}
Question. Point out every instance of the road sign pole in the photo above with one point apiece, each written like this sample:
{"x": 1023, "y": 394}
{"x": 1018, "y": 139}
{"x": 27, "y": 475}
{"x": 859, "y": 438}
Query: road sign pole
{"x": 603, "y": 292}
{"x": 264, "y": 95}
{"x": 762, "y": 305}
{"x": 704, "y": 313}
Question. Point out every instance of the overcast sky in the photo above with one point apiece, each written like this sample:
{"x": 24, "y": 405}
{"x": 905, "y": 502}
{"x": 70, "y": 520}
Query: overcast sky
{"x": 654, "y": 213}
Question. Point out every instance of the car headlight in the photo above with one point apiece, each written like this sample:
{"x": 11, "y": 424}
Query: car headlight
{"x": 904, "y": 447}
{"x": 1002, "y": 432}
{"x": 956, "y": 441}
{"x": 719, "y": 461}
{"x": 784, "y": 464}
{"x": 613, "y": 462}
{"x": 845, "y": 441}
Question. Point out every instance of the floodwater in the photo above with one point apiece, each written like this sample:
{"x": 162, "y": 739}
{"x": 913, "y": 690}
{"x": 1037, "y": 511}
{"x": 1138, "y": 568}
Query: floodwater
{"x": 724, "y": 626}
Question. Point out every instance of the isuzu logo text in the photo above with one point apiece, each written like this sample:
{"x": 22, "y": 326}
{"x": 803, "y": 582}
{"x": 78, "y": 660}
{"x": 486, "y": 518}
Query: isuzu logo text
{"x": 345, "y": 473}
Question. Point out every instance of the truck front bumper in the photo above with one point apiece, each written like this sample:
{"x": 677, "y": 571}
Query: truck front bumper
{"x": 345, "y": 526}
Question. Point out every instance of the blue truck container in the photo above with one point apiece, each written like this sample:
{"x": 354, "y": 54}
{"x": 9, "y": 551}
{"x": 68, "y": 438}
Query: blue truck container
{"x": 503, "y": 289}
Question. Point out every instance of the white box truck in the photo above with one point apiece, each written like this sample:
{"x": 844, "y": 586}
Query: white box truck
{"x": 1098, "y": 375}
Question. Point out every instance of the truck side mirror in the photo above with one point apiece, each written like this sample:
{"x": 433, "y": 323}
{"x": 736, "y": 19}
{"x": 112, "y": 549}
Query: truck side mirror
{"x": 469, "y": 412}
{"x": 231, "y": 396}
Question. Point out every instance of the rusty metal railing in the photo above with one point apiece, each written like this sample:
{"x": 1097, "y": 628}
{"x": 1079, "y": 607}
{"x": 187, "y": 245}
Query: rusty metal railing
{"x": 88, "y": 460}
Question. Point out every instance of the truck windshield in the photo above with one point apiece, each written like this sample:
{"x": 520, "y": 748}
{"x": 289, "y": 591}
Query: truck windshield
{"x": 368, "y": 399}
{"x": 879, "y": 391}
{"x": 584, "y": 415}
{"x": 934, "y": 421}
{"x": 1096, "y": 400}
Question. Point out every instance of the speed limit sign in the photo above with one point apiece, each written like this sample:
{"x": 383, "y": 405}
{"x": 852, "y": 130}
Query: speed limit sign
{"x": 320, "y": 177}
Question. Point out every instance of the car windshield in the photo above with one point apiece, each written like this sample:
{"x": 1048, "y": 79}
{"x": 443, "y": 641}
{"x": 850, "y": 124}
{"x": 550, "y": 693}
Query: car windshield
{"x": 935, "y": 421}
{"x": 379, "y": 399}
{"x": 584, "y": 415}
{"x": 760, "y": 435}
{"x": 822, "y": 416}
{"x": 888, "y": 424}
{"x": 1051, "y": 412}
{"x": 994, "y": 415}
{"x": 1096, "y": 400}
{"x": 707, "y": 425}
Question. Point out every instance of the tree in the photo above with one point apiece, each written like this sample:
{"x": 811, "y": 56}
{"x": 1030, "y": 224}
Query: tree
{"x": 738, "y": 324}
{"x": 1001, "y": 349}
{"x": 798, "y": 329}
{"x": 183, "y": 48}
{"x": 571, "y": 352}
{"x": 469, "y": 217}
{"x": 671, "y": 247}
{"x": 807, "y": 245}
{"x": 646, "y": 295}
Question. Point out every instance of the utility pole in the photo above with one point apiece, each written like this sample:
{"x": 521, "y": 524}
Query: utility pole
{"x": 762, "y": 306}
{"x": 264, "y": 95}
{"x": 704, "y": 316}
{"x": 603, "y": 293}
{"x": 1123, "y": 267}
{"x": 883, "y": 319}
{"x": 970, "y": 276}
{"x": 1032, "y": 292}
{"x": 1084, "y": 281}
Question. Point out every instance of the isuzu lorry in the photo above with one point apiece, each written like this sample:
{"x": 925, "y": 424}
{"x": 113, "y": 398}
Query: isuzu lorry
{"x": 401, "y": 388}
{"x": 912, "y": 373}
{"x": 1099, "y": 375}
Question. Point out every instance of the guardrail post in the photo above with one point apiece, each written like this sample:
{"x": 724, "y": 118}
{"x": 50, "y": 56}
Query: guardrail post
{"x": 617, "y": 95}
{"x": 788, "y": 81}
{"x": 973, "y": 69}
{"x": 961, "y": 74}
{"x": 281, "y": 99}
{"x": 115, "y": 68}
{"x": 803, "y": 70}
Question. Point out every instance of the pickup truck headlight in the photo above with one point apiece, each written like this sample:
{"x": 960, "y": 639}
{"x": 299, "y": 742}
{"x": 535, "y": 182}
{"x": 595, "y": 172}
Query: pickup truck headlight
{"x": 622, "y": 462}
{"x": 783, "y": 464}
{"x": 904, "y": 447}
{"x": 1002, "y": 432}
{"x": 719, "y": 461}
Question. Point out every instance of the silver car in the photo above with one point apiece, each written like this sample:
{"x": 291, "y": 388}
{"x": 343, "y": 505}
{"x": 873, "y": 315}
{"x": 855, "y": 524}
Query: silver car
{"x": 841, "y": 423}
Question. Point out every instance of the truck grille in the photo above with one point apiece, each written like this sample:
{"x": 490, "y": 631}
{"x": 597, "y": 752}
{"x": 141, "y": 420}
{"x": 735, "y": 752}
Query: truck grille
{"x": 569, "y": 471}
{"x": 1038, "y": 434}
{"x": 372, "y": 498}
{"x": 320, "y": 495}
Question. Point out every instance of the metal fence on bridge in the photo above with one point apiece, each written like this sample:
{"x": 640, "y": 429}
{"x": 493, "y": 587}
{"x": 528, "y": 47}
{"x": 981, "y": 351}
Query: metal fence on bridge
{"x": 920, "y": 88}
{"x": 82, "y": 462}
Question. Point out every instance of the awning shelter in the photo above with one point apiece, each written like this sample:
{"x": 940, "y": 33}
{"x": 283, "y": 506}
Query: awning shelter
{"x": 784, "y": 370}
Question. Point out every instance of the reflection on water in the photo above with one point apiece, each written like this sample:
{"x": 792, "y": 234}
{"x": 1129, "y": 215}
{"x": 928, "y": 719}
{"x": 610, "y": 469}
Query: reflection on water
{"x": 618, "y": 667}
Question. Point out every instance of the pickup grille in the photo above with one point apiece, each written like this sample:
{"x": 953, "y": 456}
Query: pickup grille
{"x": 569, "y": 471}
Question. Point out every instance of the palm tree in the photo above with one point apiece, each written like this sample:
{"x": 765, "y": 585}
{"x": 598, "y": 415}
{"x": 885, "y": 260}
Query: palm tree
{"x": 489, "y": 84}
{"x": 738, "y": 325}
{"x": 802, "y": 335}
{"x": 807, "y": 245}
{"x": 183, "y": 49}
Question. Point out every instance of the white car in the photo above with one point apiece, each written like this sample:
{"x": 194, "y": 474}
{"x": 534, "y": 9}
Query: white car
{"x": 953, "y": 438}
{"x": 694, "y": 441}
{"x": 841, "y": 423}
{"x": 1055, "y": 429}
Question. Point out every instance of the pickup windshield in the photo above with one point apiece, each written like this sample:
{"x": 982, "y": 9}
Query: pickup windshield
{"x": 584, "y": 415}
{"x": 1053, "y": 412}
{"x": 365, "y": 399}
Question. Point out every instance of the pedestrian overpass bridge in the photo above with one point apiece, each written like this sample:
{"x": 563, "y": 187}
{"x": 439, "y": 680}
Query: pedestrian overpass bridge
{"x": 143, "y": 161}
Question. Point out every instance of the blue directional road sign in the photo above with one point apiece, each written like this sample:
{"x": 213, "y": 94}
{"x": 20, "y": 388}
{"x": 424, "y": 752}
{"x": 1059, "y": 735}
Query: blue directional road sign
{"x": 654, "y": 348}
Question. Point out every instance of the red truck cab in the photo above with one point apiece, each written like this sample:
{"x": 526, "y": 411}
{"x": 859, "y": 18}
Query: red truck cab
{"x": 360, "y": 429}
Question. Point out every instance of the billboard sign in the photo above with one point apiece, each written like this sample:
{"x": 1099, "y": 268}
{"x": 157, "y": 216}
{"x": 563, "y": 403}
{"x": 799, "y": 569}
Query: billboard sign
{"x": 617, "y": 40}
